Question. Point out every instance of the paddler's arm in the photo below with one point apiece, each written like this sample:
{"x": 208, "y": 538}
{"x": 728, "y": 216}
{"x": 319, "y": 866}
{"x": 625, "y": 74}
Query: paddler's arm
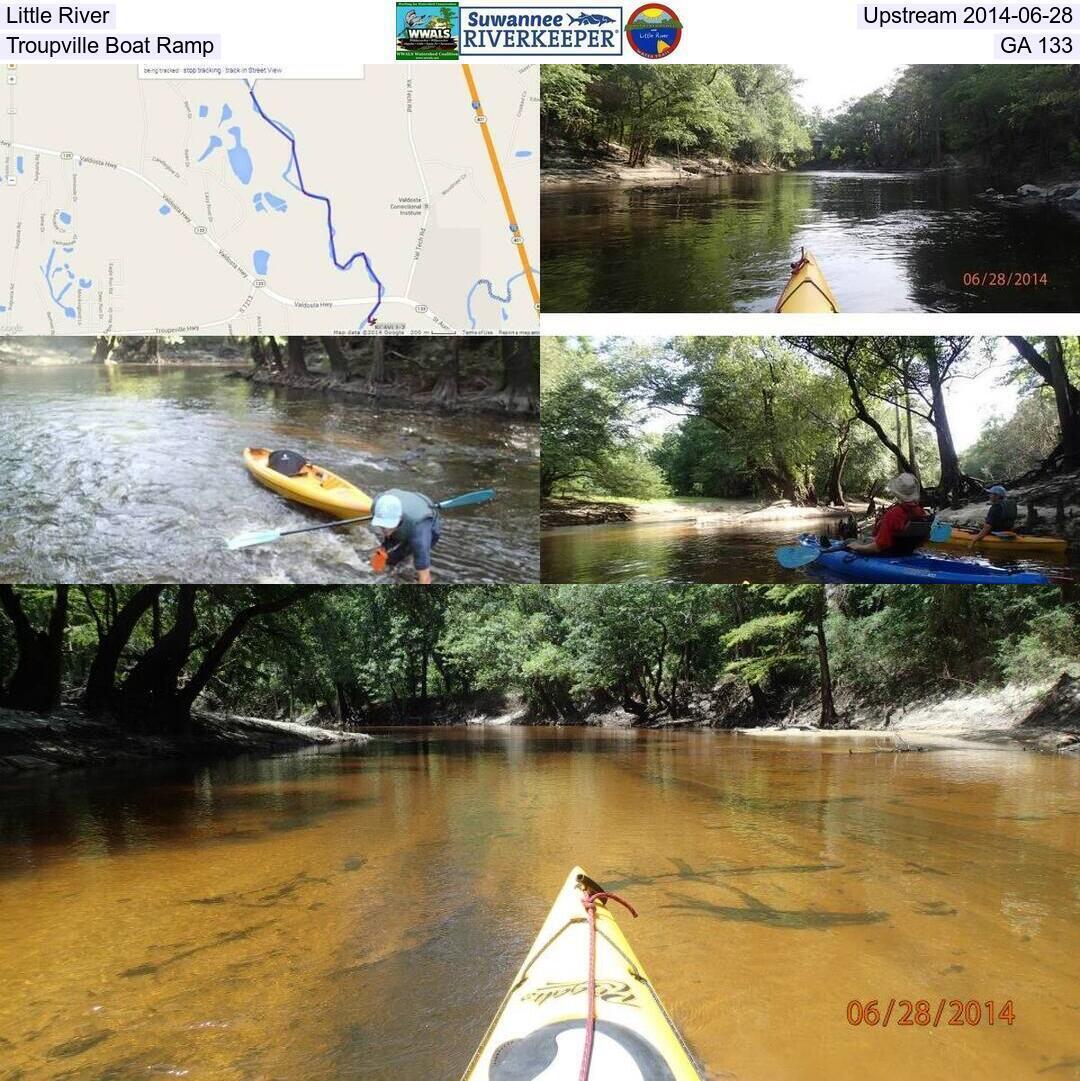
{"x": 864, "y": 548}
{"x": 984, "y": 532}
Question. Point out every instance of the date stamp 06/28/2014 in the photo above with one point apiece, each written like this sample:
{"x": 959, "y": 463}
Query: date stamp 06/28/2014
{"x": 924, "y": 1013}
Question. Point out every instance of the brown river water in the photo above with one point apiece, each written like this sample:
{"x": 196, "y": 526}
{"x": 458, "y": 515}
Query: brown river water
{"x": 361, "y": 914}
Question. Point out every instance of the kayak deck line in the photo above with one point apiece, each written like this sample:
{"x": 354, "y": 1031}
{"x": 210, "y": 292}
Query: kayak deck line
{"x": 805, "y": 271}
{"x": 581, "y": 1005}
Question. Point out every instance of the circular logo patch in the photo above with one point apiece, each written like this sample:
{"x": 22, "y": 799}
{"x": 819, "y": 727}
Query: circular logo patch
{"x": 653, "y": 31}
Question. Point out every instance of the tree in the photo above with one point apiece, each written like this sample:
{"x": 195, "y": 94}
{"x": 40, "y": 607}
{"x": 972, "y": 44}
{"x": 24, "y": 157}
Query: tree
{"x": 1050, "y": 365}
{"x": 36, "y": 682}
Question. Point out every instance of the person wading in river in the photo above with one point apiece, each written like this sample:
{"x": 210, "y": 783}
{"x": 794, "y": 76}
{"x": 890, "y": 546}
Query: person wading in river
{"x": 407, "y": 525}
{"x": 1000, "y": 515}
{"x": 903, "y": 527}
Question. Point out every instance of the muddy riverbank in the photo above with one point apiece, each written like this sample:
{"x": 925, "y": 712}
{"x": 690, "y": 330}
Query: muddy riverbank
{"x": 70, "y": 738}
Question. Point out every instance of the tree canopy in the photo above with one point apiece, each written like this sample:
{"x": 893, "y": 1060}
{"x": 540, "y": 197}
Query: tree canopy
{"x": 999, "y": 115}
{"x": 810, "y": 419}
{"x": 147, "y": 655}
{"x": 737, "y": 112}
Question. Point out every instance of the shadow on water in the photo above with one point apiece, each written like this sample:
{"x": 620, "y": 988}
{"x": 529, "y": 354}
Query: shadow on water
{"x": 153, "y": 481}
{"x": 754, "y": 910}
{"x": 887, "y": 242}
{"x": 381, "y": 899}
{"x": 688, "y": 552}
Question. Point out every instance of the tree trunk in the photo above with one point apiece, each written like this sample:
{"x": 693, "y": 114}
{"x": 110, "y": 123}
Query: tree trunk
{"x": 828, "y": 707}
{"x": 377, "y": 371}
{"x": 214, "y": 656}
{"x": 275, "y": 352}
{"x": 104, "y": 348}
{"x": 520, "y": 391}
{"x": 258, "y": 354}
{"x": 152, "y": 350}
{"x": 1067, "y": 410}
{"x": 38, "y": 677}
{"x": 952, "y": 478}
{"x": 339, "y": 363}
{"x": 297, "y": 365}
{"x": 101, "y": 680}
{"x": 1054, "y": 374}
{"x": 151, "y": 686}
{"x": 835, "y": 487}
{"x": 447, "y": 386}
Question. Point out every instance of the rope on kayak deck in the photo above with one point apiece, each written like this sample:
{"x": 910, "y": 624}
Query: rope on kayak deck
{"x": 589, "y": 900}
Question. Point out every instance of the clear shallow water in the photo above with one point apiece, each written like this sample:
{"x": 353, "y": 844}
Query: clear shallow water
{"x": 361, "y": 915}
{"x": 886, "y": 241}
{"x": 117, "y": 473}
{"x": 687, "y": 552}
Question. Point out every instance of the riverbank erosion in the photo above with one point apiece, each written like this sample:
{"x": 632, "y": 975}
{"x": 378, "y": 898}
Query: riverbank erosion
{"x": 1042, "y": 717}
{"x": 564, "y": 167}
{"x": 573, "y": 511}
{"x": 72, "y": 738}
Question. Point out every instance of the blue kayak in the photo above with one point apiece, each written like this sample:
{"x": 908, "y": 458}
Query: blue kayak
{"x": 839, "y": 565}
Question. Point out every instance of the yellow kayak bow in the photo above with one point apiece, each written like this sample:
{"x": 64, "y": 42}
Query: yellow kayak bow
{"x": 564, "y": 1015}
{"x": 807, "y": 291}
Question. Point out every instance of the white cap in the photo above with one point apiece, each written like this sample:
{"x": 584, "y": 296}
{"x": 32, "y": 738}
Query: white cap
{"x": 387, "y": 512}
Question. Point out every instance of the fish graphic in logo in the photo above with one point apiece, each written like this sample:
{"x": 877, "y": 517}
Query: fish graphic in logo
{"x": 654, "y": 30}
{"x": 427, "y": 31}
{"x": 587, "y": 19}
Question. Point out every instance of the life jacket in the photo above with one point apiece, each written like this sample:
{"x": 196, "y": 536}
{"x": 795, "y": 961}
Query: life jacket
{"x": 1011, "y": 511}
{"x": 289, "y": 463}
{"x": 915, "y": 533}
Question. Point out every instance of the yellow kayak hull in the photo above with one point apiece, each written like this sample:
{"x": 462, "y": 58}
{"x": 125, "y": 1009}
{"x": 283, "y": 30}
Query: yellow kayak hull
{"x": 313, "y": 486}
{"x": 540, "y": 1027}
{"x": 1006, "y": 542}
{"x": 807, "y": 292}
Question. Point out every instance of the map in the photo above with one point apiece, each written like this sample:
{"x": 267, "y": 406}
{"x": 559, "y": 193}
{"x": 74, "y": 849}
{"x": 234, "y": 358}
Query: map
{"x": 402, "y": 202}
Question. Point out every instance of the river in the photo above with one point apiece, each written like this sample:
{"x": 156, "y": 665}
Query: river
{"x": 126, "y": 473}
{"x": 887, "y": 242}
{"x": 361, "y": 914}
{"x": 688, "y": 552}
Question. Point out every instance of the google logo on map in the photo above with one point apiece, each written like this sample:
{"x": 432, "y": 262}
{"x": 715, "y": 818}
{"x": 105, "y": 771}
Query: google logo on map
{"x": 653, "y": 31}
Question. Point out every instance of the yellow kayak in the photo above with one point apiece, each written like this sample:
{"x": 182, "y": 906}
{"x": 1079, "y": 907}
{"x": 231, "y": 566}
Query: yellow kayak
{"x": 312, "y": 485}
{"x": 540, "y": 1029}
{"x": 807, "y": 291}
{"x": 1005, "y": 542}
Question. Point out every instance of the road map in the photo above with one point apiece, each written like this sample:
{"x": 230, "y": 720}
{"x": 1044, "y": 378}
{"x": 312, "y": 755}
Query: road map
{"x": 402, "y": 202}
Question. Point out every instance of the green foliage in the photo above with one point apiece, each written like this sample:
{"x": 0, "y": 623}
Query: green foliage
{"x": 998, "y": 115}
{"x": 1009, "y": 448}
{"x": 588, "y": 444}
{"x": 739, "y": 112}
{"x": 386, "y": 652}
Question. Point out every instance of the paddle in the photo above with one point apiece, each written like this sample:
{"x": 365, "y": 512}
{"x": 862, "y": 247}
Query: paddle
{"x": 798, "y": 555}
{"x": 268, "y": 536}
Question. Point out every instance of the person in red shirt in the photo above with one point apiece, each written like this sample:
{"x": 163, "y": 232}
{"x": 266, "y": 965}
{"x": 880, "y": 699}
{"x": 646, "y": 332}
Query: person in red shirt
{"x": 903, "y": 527}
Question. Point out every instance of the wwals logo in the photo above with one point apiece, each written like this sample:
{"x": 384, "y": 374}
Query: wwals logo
{"x": 428, "y": 31}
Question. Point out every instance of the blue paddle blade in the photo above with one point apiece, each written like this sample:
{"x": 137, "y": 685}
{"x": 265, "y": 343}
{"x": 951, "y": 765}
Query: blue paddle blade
{"x": 246, "y": 540}
{"x": 940, "y": 531}
{"x": 467, "y": 500}
{"x": 799, "y": 555}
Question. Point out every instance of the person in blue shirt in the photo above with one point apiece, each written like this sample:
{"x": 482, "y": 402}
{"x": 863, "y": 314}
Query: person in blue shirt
{"x": 407, "y": 524}
{"x": 1000, "y": 515}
